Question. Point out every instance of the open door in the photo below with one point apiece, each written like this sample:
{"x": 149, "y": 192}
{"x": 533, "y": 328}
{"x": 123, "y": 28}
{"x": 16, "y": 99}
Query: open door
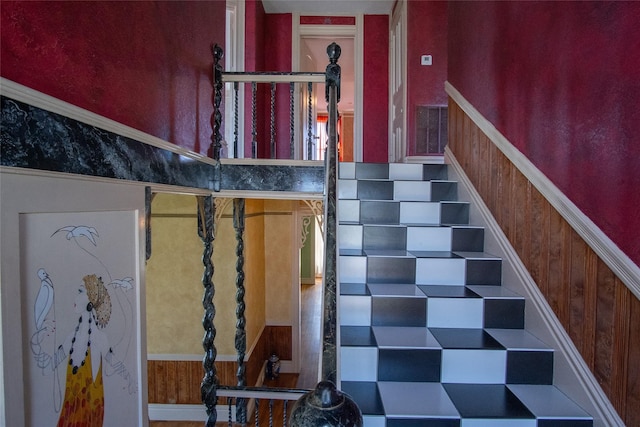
{"x": 397, "y": 73}
{"x": 309, "y": 48}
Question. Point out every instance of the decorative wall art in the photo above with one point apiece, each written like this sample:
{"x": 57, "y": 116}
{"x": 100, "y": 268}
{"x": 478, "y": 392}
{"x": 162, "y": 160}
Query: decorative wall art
{"x": 80, "y": 318}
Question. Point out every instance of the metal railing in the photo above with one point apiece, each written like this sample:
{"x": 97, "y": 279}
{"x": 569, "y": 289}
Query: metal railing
{"x": 260, "y": 85}
{"x": 240, "y": 398}
{"x": 260, "y": 406}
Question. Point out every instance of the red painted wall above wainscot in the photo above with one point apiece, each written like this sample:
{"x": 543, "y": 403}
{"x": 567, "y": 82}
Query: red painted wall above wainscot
{"x": 426, "y": 35}
{"x": 146, "y": 64}
{"x": 560, "y": 80}
{"x": 375, "y": 135}
{"x": 277, "y": 43}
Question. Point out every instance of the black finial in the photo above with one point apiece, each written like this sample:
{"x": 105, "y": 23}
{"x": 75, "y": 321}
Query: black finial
{"x": 333, "y": 70}
{"x": 334, "y": 51}
{"x": 218, "y": 52}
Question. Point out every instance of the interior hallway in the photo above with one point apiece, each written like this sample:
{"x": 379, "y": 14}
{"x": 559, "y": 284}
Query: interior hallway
{"x": 310, "y": 321}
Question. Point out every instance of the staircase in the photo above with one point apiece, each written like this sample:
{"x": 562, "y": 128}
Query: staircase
{"x": 428, "y": 336}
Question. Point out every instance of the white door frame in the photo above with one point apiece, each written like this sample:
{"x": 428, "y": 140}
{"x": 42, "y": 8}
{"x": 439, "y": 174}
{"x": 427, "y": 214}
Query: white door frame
{"x": 234, "y": 61}
{"x": 398, "y": 79}
{"x": 339, "y": 31}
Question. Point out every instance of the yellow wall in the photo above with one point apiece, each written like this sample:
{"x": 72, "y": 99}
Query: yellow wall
{"x": 254, "y": 243}
{"x": 174, "y": 274}
{"x": 174, "y": 278}
{"x": 278, "y": 269}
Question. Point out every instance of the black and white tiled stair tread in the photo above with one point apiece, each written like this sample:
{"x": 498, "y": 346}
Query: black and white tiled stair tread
{"x": 413, "y": 338}
{"x": 418, "y": 353}
{"x": 393, "y": 403}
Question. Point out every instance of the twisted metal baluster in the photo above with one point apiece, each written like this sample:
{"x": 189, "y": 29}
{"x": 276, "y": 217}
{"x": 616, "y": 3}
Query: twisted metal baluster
{"x": 270, "y": 412}
{"x": 273, "y": 120}
{"x": 291, "y": 122}
{"x": 257, "y": 413}
{"x": 206, "y": 213}
{"x": 309, "y": 121}
{"x": 216, "y": 138}
{"x": 230, "y": 413}
{"x": 241, "y": 334}
{"x": 235, "y": 119}
{"x": 254, "y": 121}
{"x": 284, "y": 413}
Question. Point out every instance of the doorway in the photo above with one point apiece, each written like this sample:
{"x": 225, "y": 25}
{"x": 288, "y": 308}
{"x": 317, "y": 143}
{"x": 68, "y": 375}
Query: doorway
{"x": 397, "y": 86}
{"x": 309, "y": 54}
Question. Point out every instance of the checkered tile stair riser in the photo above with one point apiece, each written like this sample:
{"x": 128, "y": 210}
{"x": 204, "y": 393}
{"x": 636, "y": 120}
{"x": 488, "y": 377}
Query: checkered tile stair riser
{"x": 428, "y": 335}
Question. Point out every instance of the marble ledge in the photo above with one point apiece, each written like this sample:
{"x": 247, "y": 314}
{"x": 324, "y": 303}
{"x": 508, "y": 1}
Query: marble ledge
{"x": 35, "y": 138}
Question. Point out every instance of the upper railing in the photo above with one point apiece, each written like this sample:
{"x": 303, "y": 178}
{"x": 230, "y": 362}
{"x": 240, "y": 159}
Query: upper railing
{"x": 297, "y": 141}
{"x": 237, "y": 395}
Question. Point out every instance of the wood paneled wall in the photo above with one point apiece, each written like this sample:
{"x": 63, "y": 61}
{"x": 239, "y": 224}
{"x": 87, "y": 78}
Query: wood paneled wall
{"x": 178, "y": 381}
{"x": 599, "y": 312}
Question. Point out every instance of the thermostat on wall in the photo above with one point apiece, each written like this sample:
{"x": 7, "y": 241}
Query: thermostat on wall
{"x": 426, "y": 60}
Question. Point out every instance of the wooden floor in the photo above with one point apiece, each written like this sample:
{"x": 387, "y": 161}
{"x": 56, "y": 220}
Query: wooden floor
{"x": 310, "y": 319}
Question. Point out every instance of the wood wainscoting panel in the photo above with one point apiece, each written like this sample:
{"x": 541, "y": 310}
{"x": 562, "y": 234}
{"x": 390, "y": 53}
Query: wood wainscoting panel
{"x": 175, "y": 381}
{"x": 178, "y": 381}
{"x": 278, "y": 341}
{"x": 600, "y": 314}
{"x": 633, "y": 374}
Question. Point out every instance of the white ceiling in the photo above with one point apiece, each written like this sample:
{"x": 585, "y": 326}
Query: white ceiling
{"x": 329, "y": 7}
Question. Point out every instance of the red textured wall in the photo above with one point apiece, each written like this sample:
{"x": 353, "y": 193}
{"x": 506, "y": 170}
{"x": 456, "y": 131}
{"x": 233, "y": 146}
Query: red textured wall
{"x": 426, "y": 35}
{"x": 561, "y": 81}
{"x": 376, "y": 89}
{"x": 254, "y": 61}
{"x": 144, "y": 64}
{"x": 277, "y": 43}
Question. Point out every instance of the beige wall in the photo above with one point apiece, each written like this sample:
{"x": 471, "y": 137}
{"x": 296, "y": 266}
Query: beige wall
{"x": 174, "y": 277}
{"x": 174, "y": 274}
{"x": 278, "y": 261}
{"x": 254, "y": 269}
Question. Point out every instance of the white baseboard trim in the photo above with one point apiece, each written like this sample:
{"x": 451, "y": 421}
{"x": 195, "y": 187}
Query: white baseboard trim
{"x": 602, "y": 245}
{"x": 581, "y": 385}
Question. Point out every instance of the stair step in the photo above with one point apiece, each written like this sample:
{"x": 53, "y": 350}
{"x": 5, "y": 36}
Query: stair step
{"x": 428, "y": 334}
{"x": 393, "y": 171}
{"x": 410, "y": 404}
{"x": 445, "y": 306}
{"x": 402, "y": 212}
{"x": 412, "y": 191}
{"x": 394, "y": 264}
{"x": 385, "y": 352}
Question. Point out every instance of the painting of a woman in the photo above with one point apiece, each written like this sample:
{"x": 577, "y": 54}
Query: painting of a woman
{"x": 82, "y": 322}
{"x": 86, "y": 346}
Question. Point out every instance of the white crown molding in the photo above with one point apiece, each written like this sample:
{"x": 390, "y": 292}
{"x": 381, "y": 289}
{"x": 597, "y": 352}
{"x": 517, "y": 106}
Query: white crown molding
{"x": 602, "y": 245}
